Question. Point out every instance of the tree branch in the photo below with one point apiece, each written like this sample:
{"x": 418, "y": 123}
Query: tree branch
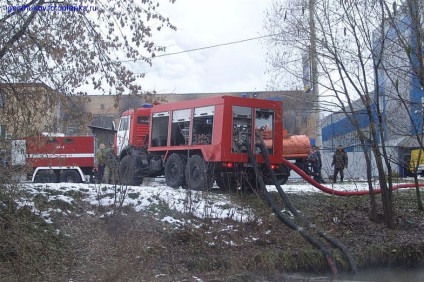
{"x": 21, "y": 31}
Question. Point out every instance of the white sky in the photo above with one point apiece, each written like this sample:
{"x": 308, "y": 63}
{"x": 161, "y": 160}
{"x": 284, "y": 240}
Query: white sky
{"x": 200, "y": 23}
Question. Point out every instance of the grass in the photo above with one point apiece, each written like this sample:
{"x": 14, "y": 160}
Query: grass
{"x": 137, "y": 246}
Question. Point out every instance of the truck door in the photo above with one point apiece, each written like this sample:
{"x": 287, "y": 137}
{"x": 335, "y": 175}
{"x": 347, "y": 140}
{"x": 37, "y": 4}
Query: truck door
{"x": 242, "y": 128}
{"x": 123, "y": 134}
{"x": 18, "y": 156}
{"x": 417, "y": 161}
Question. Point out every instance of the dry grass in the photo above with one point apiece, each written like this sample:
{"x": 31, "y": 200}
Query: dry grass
{"x": 131, "y": 246}
{"x": 30, "y": 249}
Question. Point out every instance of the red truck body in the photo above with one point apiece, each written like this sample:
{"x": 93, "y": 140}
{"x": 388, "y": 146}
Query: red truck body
{"x": 221, "y": 147}
{"x": 206, "y": 137}
{"x": 293, "y": 146}
{"x": 60, "y": 151}
{"x": 55, "y": 158}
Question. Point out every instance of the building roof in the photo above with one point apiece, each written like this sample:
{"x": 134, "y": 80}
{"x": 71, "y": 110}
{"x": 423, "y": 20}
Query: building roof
{"x": 405, "y": 142}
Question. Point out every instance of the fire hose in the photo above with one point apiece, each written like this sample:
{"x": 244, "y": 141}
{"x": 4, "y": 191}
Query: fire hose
{"x": 302, "y": 230}
{"x": 341, "y": 193}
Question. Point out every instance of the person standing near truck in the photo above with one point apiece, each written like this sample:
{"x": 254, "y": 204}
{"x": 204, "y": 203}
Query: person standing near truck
{"x": 101, "y": 162}
{"x": 340, "y": 162}
{"x": 111, "y": 167}
{"x": 315, "y": 160}
{"x": 317, "y": 167}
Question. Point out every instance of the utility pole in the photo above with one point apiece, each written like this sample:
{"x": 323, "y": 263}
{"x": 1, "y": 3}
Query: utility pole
{"x": 314, "y": 67}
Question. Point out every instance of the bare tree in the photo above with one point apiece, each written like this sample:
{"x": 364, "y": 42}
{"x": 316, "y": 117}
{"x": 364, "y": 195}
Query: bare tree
{"x": 351, "y": 53}
{"x": 136, "y": 101}
{"x": 67, "y": 47}
{"x": 84, "y": 44}
{"x": 72, "y": 48}
{"x": 404, "y": 72}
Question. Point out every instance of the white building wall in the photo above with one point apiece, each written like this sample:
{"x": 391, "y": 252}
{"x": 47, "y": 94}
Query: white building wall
{"x": 357, "y": 165}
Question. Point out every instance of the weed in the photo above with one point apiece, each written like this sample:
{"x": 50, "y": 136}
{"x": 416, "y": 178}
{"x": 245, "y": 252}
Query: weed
{"x": 77, "y": 195}
{"x": 29, "y": 247}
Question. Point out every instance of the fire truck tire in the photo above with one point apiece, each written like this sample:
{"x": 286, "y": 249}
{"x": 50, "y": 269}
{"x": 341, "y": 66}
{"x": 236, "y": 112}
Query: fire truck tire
{"x": 45, "y": 177}
{"x": 70, "y": 176}
{"x": 248, "y": 183}
{"x": 196, "y": 174}
{"x": 226, "y": 183}
{"x": 174, "y": 170}
{"x": 282, "y": 174}
{"x": 127, "y": 168}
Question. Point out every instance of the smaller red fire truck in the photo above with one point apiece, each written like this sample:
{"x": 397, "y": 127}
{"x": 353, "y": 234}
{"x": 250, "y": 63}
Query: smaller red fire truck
{"x": 55, "y": 158}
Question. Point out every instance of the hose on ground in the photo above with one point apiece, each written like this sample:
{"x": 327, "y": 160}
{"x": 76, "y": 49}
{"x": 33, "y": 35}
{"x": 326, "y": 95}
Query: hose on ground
{"x": 292, "y": 209}
{"x": 341, "y": 193}
{"x": 311, "y": 239}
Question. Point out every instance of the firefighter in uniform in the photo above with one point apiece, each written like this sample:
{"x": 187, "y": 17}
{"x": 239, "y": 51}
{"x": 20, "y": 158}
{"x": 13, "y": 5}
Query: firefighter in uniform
{"x": 316, "y": 164}
{"x": 340, "y": 161}
{"x": 101, "y": 162}
{"x": 111, "y": 168}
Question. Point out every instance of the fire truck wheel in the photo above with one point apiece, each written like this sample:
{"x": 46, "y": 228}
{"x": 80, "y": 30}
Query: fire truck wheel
{"x": 174, "y": 170}
{"x": 249, "y": 183}
{"x": 282, "y": 175}
{"x": 226, "y": 183}
{"x": 196, "y": 174}
{"x": 70, "y": 176}
{"x": 127, "y": 168}
{"x": 45, "y": 177}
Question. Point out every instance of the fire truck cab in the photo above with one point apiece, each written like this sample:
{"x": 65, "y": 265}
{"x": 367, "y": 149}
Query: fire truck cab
{"x": 192, "y": 143}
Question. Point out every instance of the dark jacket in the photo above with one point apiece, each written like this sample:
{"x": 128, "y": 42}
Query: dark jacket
{"x": 315, "y": 159}
{"x": 110, "y": 158}
{"x": 340, "y": 159}
{"x": 319, "y": 160}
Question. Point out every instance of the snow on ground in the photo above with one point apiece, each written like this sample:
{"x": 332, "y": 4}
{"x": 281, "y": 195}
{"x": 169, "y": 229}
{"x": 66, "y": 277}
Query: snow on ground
{"x": 153, "y": 193}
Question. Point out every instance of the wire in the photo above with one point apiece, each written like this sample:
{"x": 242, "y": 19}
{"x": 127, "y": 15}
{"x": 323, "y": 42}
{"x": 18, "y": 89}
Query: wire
{"x": 214, "y": 46}
{"x": 203, "y": 48}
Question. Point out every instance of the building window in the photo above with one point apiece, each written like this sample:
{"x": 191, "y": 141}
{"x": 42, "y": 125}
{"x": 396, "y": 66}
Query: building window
{"x": 160, "y": 124}
{"x": 2, "y": 131}
{"x": 242, "y": 128}
{"x": 203, "y": 125}
{"x": 2, "y": 98}
{"x": 180, "y": 127}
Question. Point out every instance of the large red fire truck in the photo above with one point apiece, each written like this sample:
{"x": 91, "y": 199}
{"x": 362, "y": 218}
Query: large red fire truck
{"x": 55, "y": 158}
{"x": 192, "y": 143}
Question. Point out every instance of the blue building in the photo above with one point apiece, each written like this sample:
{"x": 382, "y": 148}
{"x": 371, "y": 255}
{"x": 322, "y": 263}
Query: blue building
{"x": 398, "y": 95}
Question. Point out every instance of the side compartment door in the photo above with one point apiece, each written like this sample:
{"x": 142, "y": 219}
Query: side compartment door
{"x": 123, "y": 134}
{"x": 18, "y": 156}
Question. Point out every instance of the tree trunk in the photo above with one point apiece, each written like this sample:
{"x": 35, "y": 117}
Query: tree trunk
{"x": 386, "y": 192}
{"x": 417, "y": 192}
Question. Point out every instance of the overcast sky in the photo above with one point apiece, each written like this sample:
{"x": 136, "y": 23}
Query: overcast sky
{"x": 201, "y": 23}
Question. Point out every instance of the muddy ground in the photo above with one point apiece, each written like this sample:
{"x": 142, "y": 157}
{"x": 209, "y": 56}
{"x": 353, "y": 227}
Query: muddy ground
{"x": 135, "y": 246}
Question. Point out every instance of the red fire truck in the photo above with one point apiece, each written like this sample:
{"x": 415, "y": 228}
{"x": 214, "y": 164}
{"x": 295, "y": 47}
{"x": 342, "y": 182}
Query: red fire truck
{"x": 192, "y": 143}
{"x": 55, "y": 158}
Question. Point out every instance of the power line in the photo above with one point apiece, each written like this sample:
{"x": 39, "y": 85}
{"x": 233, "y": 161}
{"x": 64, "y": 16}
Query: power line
{"x": 203, "y": 48}
{"x": 214, "y": 46}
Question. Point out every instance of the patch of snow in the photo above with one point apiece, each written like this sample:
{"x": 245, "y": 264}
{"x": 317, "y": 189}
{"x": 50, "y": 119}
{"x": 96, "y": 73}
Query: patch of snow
{"x": 157, "y": 196}
{"x": 172, "y": 220}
